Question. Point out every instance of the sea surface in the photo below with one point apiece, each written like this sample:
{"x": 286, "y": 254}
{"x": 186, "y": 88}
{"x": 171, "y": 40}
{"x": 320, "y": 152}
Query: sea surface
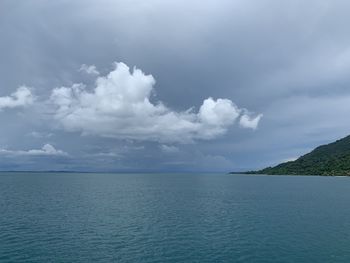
{"x": 62, "y": 217}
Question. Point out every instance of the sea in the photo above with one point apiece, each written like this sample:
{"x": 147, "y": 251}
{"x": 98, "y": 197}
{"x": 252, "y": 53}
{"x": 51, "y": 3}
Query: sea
{"x": 105, "y": 217}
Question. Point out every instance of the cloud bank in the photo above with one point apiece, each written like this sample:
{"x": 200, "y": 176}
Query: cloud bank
{"x": 20, "y": 98}
{"x": 120, "y": 107}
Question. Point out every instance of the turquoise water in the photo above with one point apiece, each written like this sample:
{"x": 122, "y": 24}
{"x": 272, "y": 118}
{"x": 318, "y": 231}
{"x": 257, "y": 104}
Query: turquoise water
{"x": 173, "y": 218}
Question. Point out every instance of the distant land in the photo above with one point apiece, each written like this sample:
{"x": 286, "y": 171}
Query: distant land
{"x": 329, "y": 160}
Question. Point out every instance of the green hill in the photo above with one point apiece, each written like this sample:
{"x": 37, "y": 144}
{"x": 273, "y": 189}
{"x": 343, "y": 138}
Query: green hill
{"x": 330, "y": 159}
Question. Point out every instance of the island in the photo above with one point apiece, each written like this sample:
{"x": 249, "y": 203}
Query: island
{"x": 328, "y": 160}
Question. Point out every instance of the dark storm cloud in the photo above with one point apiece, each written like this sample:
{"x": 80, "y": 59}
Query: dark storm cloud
{"x": 286, "y": 59}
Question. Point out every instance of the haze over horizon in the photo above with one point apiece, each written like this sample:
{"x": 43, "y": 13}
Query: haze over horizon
{"x": 170, "y": 86}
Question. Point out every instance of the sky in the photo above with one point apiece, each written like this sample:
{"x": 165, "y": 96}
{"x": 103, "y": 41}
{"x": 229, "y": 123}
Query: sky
{"x": 170, "y": 86}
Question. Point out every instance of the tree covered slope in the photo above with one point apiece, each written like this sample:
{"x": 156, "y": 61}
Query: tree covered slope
{"x": 330, "y": 159}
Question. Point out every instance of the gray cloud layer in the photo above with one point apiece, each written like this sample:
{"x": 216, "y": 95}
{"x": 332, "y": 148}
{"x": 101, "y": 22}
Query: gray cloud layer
{"x": 287, "y": 60}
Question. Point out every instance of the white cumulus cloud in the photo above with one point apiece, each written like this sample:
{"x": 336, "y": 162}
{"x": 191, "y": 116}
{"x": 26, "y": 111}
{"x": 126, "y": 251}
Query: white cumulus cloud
{"x": 89, "y": 69}
{"x": 120, "y": 107}
{"x": 20, "y": 98}
{"x": 247, "y": 121}
{"x": 46, "y": 150}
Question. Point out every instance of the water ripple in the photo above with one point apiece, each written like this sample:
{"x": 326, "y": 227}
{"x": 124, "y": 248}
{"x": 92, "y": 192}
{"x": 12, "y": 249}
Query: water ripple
{"x": 173, "y": 218}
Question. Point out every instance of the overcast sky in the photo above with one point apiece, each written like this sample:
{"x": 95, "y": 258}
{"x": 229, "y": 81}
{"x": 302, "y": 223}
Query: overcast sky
{"x": 215, "y": 85}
